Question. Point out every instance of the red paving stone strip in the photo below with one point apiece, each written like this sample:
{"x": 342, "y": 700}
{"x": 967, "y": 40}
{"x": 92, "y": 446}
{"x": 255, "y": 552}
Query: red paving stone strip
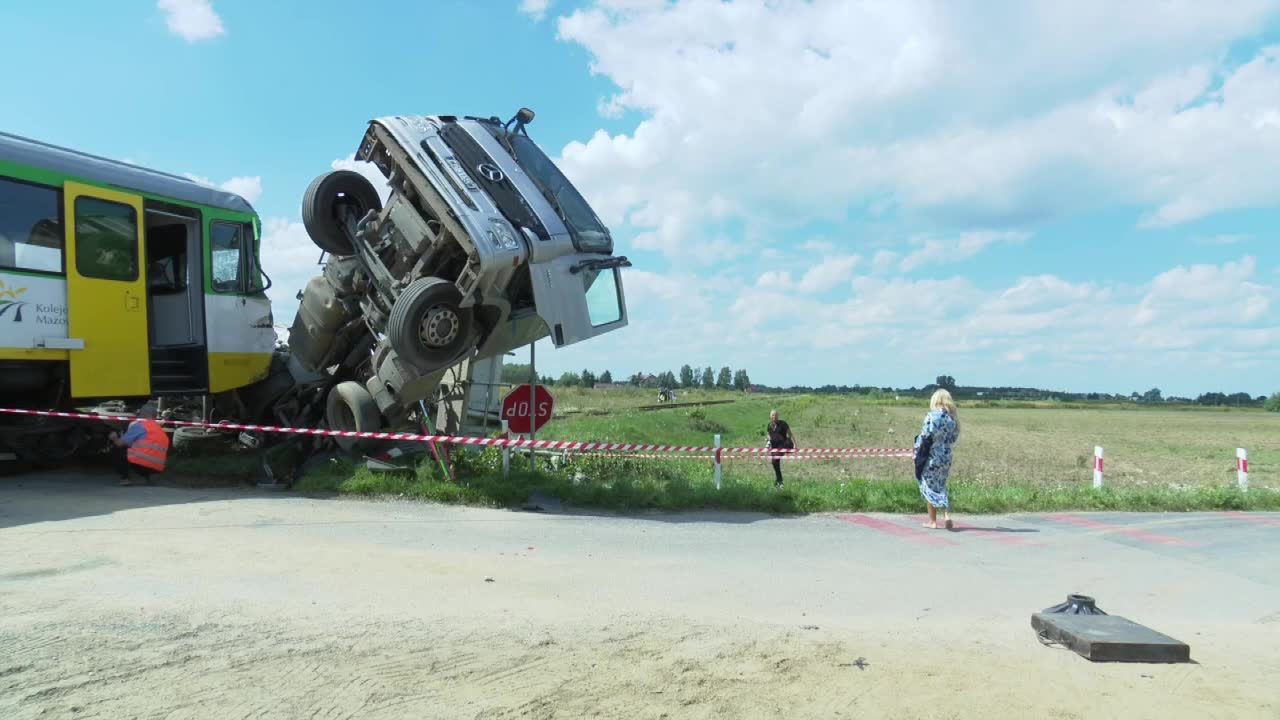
{"x": 1141, "y": 535}
{"x": 1271, "y": 521}
{"x": 1004, "y": 537}
{"x": 917, "y": 534}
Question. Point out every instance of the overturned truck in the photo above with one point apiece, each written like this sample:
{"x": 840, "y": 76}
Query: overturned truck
{"x": 476, "y": 245}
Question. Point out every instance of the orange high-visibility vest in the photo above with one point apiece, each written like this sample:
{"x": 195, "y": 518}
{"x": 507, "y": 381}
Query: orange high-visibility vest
{"x": 149, "y": 451}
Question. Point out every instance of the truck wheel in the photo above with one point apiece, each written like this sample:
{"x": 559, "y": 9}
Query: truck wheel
{"x": 325, "y": 197}
{"x": 427, "y": 327}
{"x": 197, "y": 441}
{"x": 351, "y": 408}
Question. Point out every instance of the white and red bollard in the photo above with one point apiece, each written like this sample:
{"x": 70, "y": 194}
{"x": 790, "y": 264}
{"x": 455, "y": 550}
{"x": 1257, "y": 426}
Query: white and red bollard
{"x": 1097, "y": 467}
{"x": 717, "y": 461}
{"x": 1242, "y": 469}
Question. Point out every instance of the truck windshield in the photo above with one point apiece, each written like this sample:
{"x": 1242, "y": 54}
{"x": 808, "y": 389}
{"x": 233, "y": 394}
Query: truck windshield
{"x": 589, "y": 234}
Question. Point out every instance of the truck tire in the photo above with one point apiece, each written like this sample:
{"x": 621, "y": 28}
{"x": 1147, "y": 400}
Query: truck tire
{"x": 428, "y": 329}
{"x": 197, "y": 441}
{"x": 351, "y": 408}
{"x": 320, "y": 204}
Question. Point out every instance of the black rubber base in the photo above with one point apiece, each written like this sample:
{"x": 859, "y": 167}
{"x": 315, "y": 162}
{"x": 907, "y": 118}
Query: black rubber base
{"x": 1108, "y": 638}
{"x": 1076, "y": 605}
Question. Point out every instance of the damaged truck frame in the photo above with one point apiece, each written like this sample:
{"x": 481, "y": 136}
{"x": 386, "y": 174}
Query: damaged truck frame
{"x": 481, "y": 246}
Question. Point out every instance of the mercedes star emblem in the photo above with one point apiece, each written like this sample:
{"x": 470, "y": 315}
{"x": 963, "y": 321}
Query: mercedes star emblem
{"x": 490, "y": 172}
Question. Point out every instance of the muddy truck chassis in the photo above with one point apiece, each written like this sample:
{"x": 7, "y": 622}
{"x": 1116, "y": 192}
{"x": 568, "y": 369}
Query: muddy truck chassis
{"x": 482, "y": 246}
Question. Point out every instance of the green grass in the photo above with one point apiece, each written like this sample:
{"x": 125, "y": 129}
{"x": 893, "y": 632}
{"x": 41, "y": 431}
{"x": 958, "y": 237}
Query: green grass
{"x": 1018, "y": 457}
{"x": 1031, "y": 445}
{"x": 623, "y": 485}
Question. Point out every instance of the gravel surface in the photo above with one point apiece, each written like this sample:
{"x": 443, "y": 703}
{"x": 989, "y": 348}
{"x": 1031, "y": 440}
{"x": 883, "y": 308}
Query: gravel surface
{"x": 166, "y": 603}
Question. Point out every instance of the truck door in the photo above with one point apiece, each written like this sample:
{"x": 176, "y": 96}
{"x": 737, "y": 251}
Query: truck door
{"x": 579, "y": 296}
{"x": 106, "y": 293}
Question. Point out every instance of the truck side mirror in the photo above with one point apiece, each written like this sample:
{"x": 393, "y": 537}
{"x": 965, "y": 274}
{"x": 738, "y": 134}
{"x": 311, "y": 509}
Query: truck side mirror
{"x": 525, "y": 116}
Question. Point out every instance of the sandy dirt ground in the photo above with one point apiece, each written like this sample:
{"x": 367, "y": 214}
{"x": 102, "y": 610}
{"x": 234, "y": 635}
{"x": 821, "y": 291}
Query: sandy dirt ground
{"x": 163, "y": 603}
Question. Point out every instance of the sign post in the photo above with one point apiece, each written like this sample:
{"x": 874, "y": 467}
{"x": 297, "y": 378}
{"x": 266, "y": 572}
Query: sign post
{"x": 506, "y": 452}
{"x": 533, "y": 386}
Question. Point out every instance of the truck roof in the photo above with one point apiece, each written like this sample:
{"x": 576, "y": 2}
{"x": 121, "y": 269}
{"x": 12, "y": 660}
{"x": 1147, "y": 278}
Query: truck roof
{"x": 34, "y": 153}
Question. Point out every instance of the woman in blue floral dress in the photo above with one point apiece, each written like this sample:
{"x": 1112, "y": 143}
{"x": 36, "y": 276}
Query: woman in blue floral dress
{"x": 940, "y": 431}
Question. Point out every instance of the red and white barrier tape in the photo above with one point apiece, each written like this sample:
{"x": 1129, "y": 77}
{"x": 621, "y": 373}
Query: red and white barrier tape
{"x": 704, "y": 451}
{"x": 825, "y": 454}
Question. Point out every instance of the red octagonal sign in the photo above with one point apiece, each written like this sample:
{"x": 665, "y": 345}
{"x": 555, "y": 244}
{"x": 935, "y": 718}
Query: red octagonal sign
{"x": 516, "y": 405}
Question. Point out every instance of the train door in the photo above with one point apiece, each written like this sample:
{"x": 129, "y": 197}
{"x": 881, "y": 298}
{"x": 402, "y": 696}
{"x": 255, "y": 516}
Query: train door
{"x": 175, "y": 289}
{"x": 106, "y": 293}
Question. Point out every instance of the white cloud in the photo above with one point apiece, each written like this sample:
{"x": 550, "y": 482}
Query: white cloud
{"x": 775, "y": 280}
{"x": 829, "y": 273}
{"x": 884, "y": 260}
{"x": 191, "y": 20}
{"x": 914, "y": 104}
{"x": 933, "y": 251}
{"x": 536, "y": 9}
{"x": 1206, "y": 296}
{"x": 1179, "y": 329}
{"x": 290, "y": 259}
{"x": 247, "y": 187}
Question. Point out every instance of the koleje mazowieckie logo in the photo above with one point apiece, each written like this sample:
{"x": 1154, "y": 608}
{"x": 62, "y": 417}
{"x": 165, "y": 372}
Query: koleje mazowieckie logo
{"x": 10, "y": 302}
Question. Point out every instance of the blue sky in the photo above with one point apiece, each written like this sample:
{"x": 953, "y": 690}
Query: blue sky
{"x": 1079, "y": 196}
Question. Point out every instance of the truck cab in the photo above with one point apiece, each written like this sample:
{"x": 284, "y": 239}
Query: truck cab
{"x": 481, "y": 246}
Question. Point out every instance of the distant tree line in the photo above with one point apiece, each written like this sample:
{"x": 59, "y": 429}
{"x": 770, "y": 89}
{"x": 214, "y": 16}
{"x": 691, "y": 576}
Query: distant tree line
{"x": 1152, "y": 397}
{"x": 689, "y": 377}
{"x": 708, "y": 378}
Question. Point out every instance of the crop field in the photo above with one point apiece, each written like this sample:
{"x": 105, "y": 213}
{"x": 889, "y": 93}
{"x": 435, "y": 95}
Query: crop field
{"x": 1011, "y": 457}
{"x": 1015, "y": 445}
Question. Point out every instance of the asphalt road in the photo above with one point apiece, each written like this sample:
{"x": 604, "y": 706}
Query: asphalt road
{"x": 168, "y": 603}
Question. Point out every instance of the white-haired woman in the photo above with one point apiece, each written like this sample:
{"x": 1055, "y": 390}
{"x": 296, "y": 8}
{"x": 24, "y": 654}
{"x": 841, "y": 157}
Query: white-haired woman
{"x": 940, "y": 431}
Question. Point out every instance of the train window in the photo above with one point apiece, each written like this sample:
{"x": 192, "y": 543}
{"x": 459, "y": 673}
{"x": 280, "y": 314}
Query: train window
{"x": 30, "y": 227}
{"x": 106, "y": 239}
{"x": 227, "y": 246}
{"x": 257, "y": 280}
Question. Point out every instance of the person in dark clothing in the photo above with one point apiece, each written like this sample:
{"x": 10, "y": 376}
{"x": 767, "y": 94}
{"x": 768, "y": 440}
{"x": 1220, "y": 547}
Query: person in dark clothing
{"x": 779, "y": 437}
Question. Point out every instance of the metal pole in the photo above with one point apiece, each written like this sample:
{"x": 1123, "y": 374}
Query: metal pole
{"x": 506, "y": 453}
{"x": 717, "y": 462}
{"x": 533, "y": 394}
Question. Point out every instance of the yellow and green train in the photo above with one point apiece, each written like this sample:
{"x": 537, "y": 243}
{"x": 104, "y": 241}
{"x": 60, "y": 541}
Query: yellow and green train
{"x": 120, "y": 282}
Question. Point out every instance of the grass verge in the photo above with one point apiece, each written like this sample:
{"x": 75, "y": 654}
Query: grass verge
{"x": 622, "y": 485}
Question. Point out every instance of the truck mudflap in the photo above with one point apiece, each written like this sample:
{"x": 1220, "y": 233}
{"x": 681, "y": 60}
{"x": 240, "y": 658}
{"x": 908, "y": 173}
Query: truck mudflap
{"x": 580, "y": 296}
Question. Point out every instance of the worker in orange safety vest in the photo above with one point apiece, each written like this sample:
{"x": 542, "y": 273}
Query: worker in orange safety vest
{"x": 142, "y": 449}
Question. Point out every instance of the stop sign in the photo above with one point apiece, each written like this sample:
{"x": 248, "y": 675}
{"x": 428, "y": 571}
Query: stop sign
{"x": 516, "y": 406}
